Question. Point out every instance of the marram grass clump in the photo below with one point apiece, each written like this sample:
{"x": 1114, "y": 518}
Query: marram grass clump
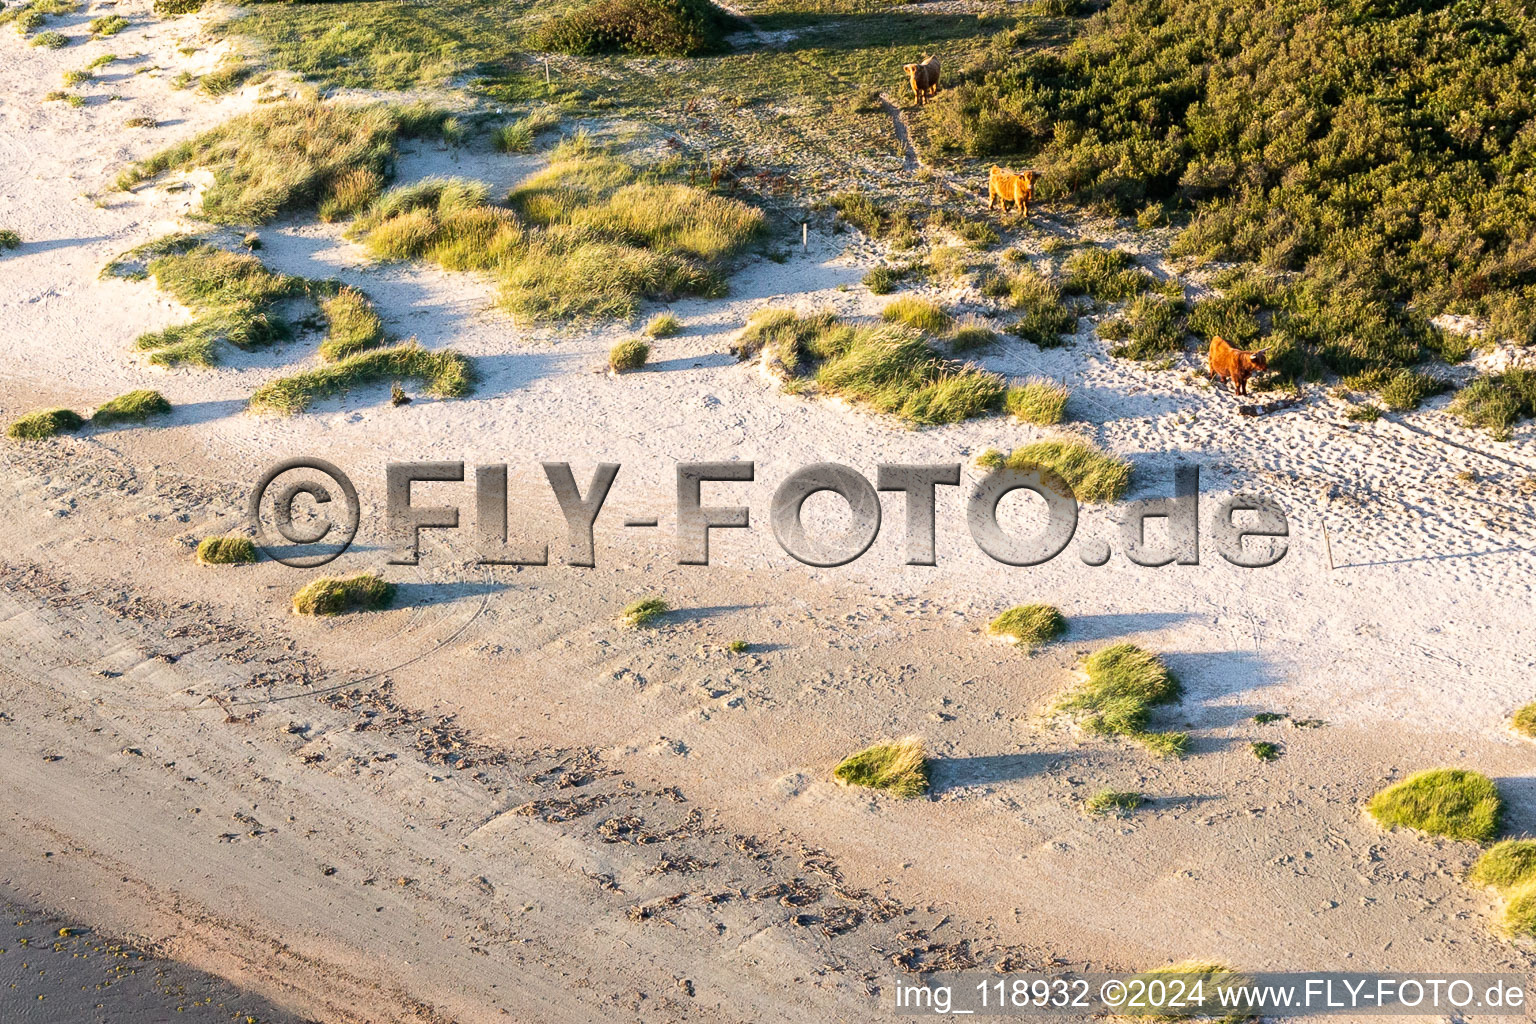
{"x": 37, "y": 426}
{"x": 1093, "y": 475}
{"x": 1124, "y": 684}
{"x": 354, "y": 325}
{"x": 226, "y": 551}
{"x": 1038, "y": 401}
{"x": 1524, "y": 721}
{"x": 644, "y": 612}
{"x": 1451, "y": 802}
{"x": 900, "y": 768}
{"x": 923, "y": 314}
{"x": 133, "y": 407}
{"x": 329, "y": 595}
{"x": 1116, "y": 802}
{"x": 663, "y": 325}
{"x": 443, "y": 373}
{"x": 628, "y": 355}
{"x": 1510, "y": 868}
{"x": 1028, "y": 625}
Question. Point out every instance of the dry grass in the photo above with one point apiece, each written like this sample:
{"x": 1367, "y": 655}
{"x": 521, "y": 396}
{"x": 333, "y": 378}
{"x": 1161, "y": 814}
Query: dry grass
{"x": 900, "y": 768}
{"x": 1451, "y": 802}
{"x": 332, "y": 596}
{"x": 226, "y": 551}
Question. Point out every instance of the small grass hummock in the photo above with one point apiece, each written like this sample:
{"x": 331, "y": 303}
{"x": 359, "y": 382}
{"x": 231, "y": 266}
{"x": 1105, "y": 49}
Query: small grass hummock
{"x": 133, "y": 407}
{"x": 354, "y": 325}
{"x": 50, "y": 40}
{"x": 628, "y": 355}
{"x": 37, "y": 426}
{"x": 444, "y": 374}
{"x": 1124, "y": 683}
{"x": 1263, "y": 750}
{"x": 644, "y": 612}
{"x": 738, "y": 647}
{"x": 663, "y": 325}
{"x": 654, "y": 28}
{"x": 1043, "y": 317}
{"x": 971, "y": 335}
{"x": 926, "y": 316}
{"x": 226, "y": 551}
{"x": 1524, "y": 721}
{"x": 1451, "y": 802}
{"x": 900, "y": 768}
{"x": 1028, "y": 625}
{"x": 329, "y": 595}
{"x": 1110, "y": 801}
{"x": 9, "y": 239}
{"x": 110, "y": 25}
{"x": 1093, "y": 475}
{"x": 519, "y": 136}
{"x": 1039, "y": 401}
{"x": 1510, "y": 868}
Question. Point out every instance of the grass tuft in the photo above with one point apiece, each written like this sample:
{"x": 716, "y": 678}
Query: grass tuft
{"x": 110, "y": 25}
{"x": 354, "y": 325}
{"x": 1094, "y": 475}
{"x": 1040, "y": 401}
{"x": 330, "y": 595}
{"x": 628, "y": 355}
{"x": 1263, "y": 750}
{"x": 444, "y": 374}
{"x": 971, "y": 335}
{"x": 656, "y": 28}
{"x": 1109, "y": 801}
{"x": 226, "y": 551}
{"x": 1043, "y": 318}
{"x": 1524, "y": 721}
{"x": 1451, "y": 802}
{"x": 922, "y": 314}
{"x": 1029, "y": 625}
{"x": 644, "y": 612}
{"x": 663, "y": 325}
{"x": 37, "y": 426}
{"x": 738, "y": 647}
{"x": 1124, "y": 684}
{"x": 519, "y": 136}
{"x": 133, "y": 407}
{"x": 1506, "y": 864}
{"x": 233, "y": 297}
{"x": 900, "y": 768}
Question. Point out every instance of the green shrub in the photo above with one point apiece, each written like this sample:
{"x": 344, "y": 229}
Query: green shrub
{"x": 659, "y": 28}
{"x": 644, "y": 612}
{"x": 1029, "y": 625}
{"x": 39, "y": 425}
{"x": 226, "y": 551}
{"x": 50, "y": 40}
{"x": 1044, "y": 319}
{"x": 110, "y": 25}
{"x": 1124, "y": 683}
{"x": 1263, "y": 750}
{"x": 1105, "y": 274}
{"x": 1496, "y": 402}
{"x": 445, "y": 374}
{"x": 1524, "y": 721}
{"x": 915, "y": 312}
{"x": 9, "y": 240}
{"x": 1401, "y": 390}
{"x": 882, "y": 280}
{"x": 628, "y": 355}
{"x": 900, "y": 768}
{"x": 1109, "y": 801}
{"x": 1154, "y": 326}
{"x": 133, "y": 407}
{"x": 329, "y": 595}
{"x": 1451, "y": 802}
{"x": 663, "y": 325}
{"x": 1093, "y": 475}
{"x": 74, "y": 78}
{"x": 738, "y": 647}
{"x": 1040, "y": 401}
{"x": 354, "y": 325}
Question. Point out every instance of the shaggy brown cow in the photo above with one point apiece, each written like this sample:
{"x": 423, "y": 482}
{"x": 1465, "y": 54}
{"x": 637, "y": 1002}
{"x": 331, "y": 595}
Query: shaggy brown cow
{"x": 1235, "y": 364}
{"x": 924, "y": 77}
{"x": 1018, "y": 187}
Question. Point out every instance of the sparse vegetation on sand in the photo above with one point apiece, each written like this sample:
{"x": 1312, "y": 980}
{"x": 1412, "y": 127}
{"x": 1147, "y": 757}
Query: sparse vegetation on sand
{"x": 924, "y": 314}
{"x": 1367, "y": 412}
{"x": 44, "y": 424}
{"x": 330, "y": 595}
{"x": 110, "y": 25}
{"x": 1496, "y": 402}
{"x": 656, "y": 28}
{"x": 882, "y": 280}
{"x": 628, "y": 355}
{"x": 1152, "y": 326}
{"x": 1124, "y": 684}
{"x": 1524, "y": 721}
{"x": 443, "y": 374}
{"x": 35, "y": 13}
{"x": 289, "y": 156}
{"x": 519, "y": 136}
{"x": 899, "y": 768}
{"x": 133, "y": 407}
{"x": 1110, "y": 801}
{"x": 1451, "y": 802}
{"x": 354, "y": 325}
{"x": 663, "y": 325}
{"x": 1510, "y": 868}
{"x": 644, "y": 612}
{"x": 51, "y": 40}
{"x": 738, "y": 647}
{"x": 1039, "y": 401}
{"x": 1043, "y": 319}
{"x": 971, "y": 335}
{"x": 227, "y": 551}
{"x": 9, "y": 240}
{"x": 1029, "y": 625}
{"x": 1094, "y": 475}
{"x": 1264, "y": 750}
{"x": 1400, "y": 390}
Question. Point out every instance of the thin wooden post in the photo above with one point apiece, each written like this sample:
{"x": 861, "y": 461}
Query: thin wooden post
{"x": 805, "y": 235}
{"x": 1327, "y": 543}
{"x": 546, "y": 70}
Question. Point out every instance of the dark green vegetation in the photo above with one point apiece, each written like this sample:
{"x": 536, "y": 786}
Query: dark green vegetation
{"x": 443, "y": 373}
{"x": 39, "y": 425}
{"x": 1264, "y": 750}
{"x": 1109, "y": 801}
{"x": 9, "y": 240}
{"x": 1029, "y": 625}
{"x": 1124, "y": 684}
{"x": 133, "y": 407}
{"x": 900, "y": 768}
{"x": 226, "y": 551}
{"x": 1043, "y": 317}
{"x": 644, "y": 611}
{"x": 329, "y": 595}
{"x": 1151, "y": 326}
{"x": 891, "y": 368}
{"x": 657, "y": 28}
{"x": 1497, "y": 401}
{"x": 1400, "y": 390}
{"x": 1451, "y": 802}
{"x": 1377, "y": 153}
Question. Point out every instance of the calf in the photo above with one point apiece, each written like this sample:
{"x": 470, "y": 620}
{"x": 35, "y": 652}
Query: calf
{"x": 1235, "y": 364}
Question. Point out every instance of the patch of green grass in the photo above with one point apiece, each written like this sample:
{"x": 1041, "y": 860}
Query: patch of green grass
{"x": 738, "y": 647}
{"x": 354, "y": 325}
{"x": 286, "y": 157}
{"x": 1401, "y": 390}
{"x": 784, "y": 333}
{"x": 80, "y": 77}
{"x": 1152, "y": 326}
{"x": 444, "y": 374}
{"x": 1124, "y": 684}
{"x": 922, "y": 314}
{"x": 1365, "y": 413}
{"x": 644, "y": 612}
{"x": 991, "y": 459}
{"x": 894, "y": 370}
{"x": 519, "y": 136}
{"x": 1506, "y": 864}
{"x": 110, "y": 25}
{"x": 882, "y": 280}
{"x": 1106, "y": 274}
{"x": 1029, "y": 625}
{"x": 133, "y": 407}
{"x": 1451, "y": 802}
{"x": 663, "y": 325}
{"x": 1109, "y": 801}
{"x": 1524, "y": 721}
{"x": 1264, "y": 750}
{"x": 51, "y": 40}
{"x": 1269, "y": 717}
{"x": 329, "y": 595}
{"x": 1094, "y": 475}
{"x": 971, "y": 335}
{"x": 37, "y": 426}
{"x": 29, "y": 16}
{"x": 628, "y": 355}
{"x": 1039, "y": 401}
{"x": 655, "y": 28}
{"x": 1043, "y": 318}
{"x": 9, "y": 239}
{"x": 226, "y": 551}
{"x": 1496, "y": 402}
{"x": 172, "y": 8}
{"x": 900, "y": 768}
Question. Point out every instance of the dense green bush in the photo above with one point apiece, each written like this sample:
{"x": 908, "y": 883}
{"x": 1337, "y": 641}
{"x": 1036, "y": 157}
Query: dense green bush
{"x": 1381, "y": 149}
{"x": 660, "y": 28}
